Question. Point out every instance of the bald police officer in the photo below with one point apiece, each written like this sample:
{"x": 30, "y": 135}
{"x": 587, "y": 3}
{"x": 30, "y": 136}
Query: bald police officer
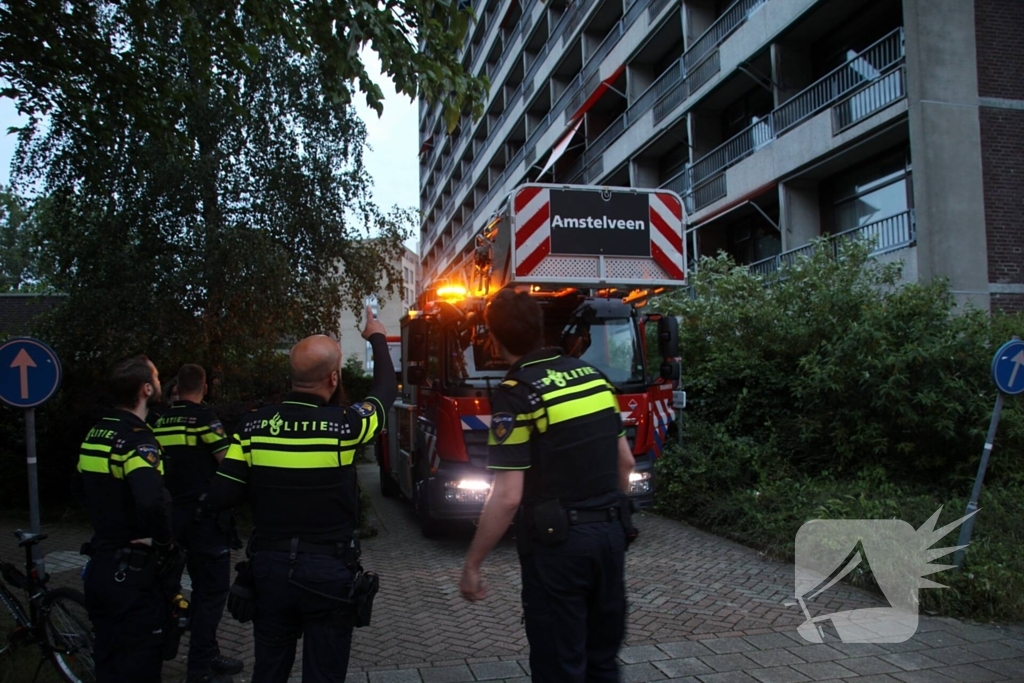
{"x": 561, "y": 463}
{"x": 295, "y": 461}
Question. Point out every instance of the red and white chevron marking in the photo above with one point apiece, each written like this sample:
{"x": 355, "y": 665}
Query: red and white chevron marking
{"x": 532, "y": 207}
{"x": 667, "y": 246}
{"x": 533, "y": 228}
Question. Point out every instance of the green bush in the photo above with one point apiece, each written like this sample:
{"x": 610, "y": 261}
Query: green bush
{"x": 834, "y": 391}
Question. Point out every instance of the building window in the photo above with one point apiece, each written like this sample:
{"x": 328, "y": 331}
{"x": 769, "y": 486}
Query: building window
{"x": 872, "y": 192}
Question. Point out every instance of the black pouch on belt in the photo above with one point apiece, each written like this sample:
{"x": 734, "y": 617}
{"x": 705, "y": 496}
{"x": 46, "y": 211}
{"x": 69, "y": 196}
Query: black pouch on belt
{"x": 364, "y": 587}
{"x": 242, "y": 596}
{"x": 174, "y": 626}
{"x": 550, "y": 523}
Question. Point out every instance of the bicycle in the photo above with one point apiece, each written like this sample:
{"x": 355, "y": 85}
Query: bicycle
{"x": 56, "y": 619}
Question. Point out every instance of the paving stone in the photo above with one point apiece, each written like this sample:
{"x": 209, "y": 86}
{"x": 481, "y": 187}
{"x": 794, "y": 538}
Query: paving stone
{"x": 858, "y": 649}
{"x": 769, "y": 641}
{"x": 770, "y": 658}
{"x": 953, "y": 655}
{"x": 779, "y": 674}
{"x": 816, "y": 653}
{"x": 878, "y": 678}
{"x": 1012, "y": 668}
{"x": 688, "y": 666}
{"x": 446, "y": 674}
{"x": 940, "y": 639}
{"x": 485, "y": 671}
{"x": 923, "y": 677}
{"x": 733, "y": 662}
{"x": 977, "y": 633}
{"x": 864, "y": 666}
{"x": 397, "y": 676}
{"x": 911, "y": 645}
{"x": 641, "y": 653}
{"x": 722, "y": 646}
{"x": 992, "y": 650}
{"x": 821, "y": 670}
{"x": 972, "y": 673}
{"x": 690, "y": 648}
{"x": 728, "y": 677}
{"x": 911, "y": 661}
{"x": 640, "y": 673}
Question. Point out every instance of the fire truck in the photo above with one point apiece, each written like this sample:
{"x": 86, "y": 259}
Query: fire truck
{"x": 592, "y": 257}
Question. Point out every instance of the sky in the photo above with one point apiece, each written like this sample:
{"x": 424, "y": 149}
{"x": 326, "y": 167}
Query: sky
{"x": 391, "y": 158}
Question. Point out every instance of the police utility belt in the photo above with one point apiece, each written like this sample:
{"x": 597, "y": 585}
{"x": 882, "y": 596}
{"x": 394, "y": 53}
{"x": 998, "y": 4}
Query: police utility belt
{"x": 549, "y": 522}
{"x": 356, "y": 607}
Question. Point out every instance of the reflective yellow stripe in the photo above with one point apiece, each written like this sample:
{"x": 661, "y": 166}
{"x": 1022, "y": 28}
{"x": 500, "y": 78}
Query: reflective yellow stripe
{"x": 279, "y": 441}
{"x": 557, "y": 393}
{"x": 347, "y": 457}
{"x": 93, "y": 463}
{"x": 295, "y": 460}
{"x": 101, "y": 448}
{"x": 581, "y": 406}
{"x": 236, "y": 452}
{"x": 519, "y": 435}
{"x": 138, "y": 462}
{"x": 228, "y": 476}
{"x": 166, "y": 440}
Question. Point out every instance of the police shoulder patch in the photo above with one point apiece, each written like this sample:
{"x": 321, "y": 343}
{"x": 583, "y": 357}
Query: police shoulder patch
{"x": 365, "y": 409}
{"x": 217, "y": 428}
{"x": 502, "y": 425}
{"x": 149, "y": 453}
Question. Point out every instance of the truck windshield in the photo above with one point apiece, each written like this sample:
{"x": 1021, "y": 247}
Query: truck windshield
{"x": 614, "y": 350}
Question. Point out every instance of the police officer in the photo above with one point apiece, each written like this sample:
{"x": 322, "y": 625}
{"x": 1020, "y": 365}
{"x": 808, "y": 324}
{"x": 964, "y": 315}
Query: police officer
{"x": 561, "y": 463}
{"x": 194, "y": 443}
{"x": 295, "y": 461}
{"x": 121, "y": 469}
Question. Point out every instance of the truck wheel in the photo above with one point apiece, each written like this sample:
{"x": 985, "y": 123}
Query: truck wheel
{"x": 388, "y": 486}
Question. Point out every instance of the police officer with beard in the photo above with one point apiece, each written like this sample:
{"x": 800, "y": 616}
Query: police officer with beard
{"x": 121, "y": 469}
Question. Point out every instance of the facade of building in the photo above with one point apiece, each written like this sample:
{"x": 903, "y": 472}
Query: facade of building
{"x": 901, "y": 121}
{"x": 390, "y": 313}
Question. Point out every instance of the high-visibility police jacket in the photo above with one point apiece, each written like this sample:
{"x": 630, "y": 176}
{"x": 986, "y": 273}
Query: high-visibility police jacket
{"x": 556, "y": 417}
{"x": 122, "y": 475}
{"x": 191, "y": 436}
{"x": 296, "y": 461}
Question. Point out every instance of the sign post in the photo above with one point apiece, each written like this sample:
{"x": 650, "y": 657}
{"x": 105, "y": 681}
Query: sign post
{"x": 1008, "y": 375}
{"x": 30, "y": 374}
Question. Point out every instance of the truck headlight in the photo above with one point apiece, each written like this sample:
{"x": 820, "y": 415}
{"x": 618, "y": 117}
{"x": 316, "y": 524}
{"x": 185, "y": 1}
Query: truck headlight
{"x": 639, "y": 483}
{"x": 466, "y": 490}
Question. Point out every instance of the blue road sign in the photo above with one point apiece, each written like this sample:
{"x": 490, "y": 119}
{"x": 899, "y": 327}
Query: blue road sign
{"x": 29, "y": 372}
{"x": 1008, "y": 367}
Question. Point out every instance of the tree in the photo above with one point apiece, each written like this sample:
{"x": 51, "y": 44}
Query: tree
{"x": 17, "y": 228}
{"x": 204, "y": 164}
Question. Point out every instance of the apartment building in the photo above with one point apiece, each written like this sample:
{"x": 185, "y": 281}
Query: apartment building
{"x": 899, "y": 121}
{"x": 390, "y": 314}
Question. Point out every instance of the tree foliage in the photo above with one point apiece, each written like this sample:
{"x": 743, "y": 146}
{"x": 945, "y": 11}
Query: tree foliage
{"x": 18, "y": 221}
{"x": 203, "y": 164}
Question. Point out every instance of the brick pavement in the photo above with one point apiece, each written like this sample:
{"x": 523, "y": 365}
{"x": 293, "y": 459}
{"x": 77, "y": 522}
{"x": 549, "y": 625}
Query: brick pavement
{"x": 702, "y": 610}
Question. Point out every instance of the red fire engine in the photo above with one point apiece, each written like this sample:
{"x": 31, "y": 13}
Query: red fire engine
{"x": 592, "y": 257}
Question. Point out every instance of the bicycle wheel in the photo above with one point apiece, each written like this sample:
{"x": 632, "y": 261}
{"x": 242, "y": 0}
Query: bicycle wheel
{"x": 69, "y": 635}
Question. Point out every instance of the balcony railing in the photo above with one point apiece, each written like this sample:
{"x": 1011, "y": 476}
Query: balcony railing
{"x": 862, "y": 86}
{"x": 865, "y": 67}
{"x": 868, "y": 100}
{"x": 888, "y": 234}
{"x": 719, "y": 31}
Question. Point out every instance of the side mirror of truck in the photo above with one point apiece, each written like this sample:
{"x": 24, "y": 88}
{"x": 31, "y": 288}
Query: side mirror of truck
{"x": 668, "y": 336}
{"x": 416, "y": 375}
{"x": 417, "y": 341}
{"x": 670, "y": 371}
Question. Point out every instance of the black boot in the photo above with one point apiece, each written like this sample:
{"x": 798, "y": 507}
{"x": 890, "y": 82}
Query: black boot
{"x": 226, "y": 665}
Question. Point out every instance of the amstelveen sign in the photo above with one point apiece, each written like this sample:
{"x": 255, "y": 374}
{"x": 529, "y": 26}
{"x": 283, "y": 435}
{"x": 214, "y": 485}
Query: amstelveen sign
{"x": 591, "y": 222}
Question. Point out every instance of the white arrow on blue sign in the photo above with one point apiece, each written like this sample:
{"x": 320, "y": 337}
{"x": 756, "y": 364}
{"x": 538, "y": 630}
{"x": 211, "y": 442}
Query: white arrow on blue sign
{"x": 1008, "y": 367}
{"x": 30, "y": 372}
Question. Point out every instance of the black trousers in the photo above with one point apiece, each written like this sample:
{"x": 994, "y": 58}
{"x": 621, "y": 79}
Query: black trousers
{"x": 209, "y": 568}
{"x": 128, "y": 618}
{"x": 285, "y": 611}
{"x": 574, "y": 603}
